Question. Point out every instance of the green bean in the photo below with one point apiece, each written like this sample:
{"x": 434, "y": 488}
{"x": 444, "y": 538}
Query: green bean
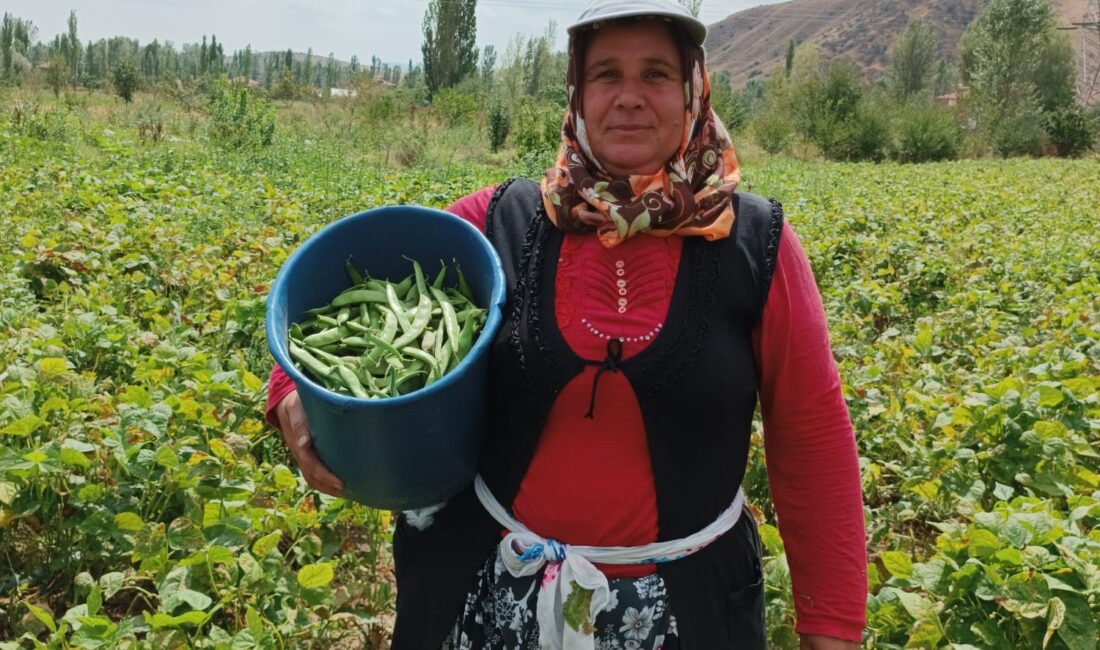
{"x": 384, "y": 345}
{"x": 326, "y": 337}
{"x": 465, "y": 339}
{"x": 418, "y": 273}
{"x": 443, "y": 358}
{"x": 450, "y": 319}
{"x": 351, "y": 380}
{"x": 397, "y": 308}
{"x": 420, "y": 321}
{"x": 384, "y": 339}
{"x": 354, "y": 326}
{"x": 403, "y": 286}
{"x": 389, "y": 325}
{"x": 427, "y": 341}
{"x": 463, "y": 286}
{"x": 356, "y": 279}
{"x": 417, "y": 353}
{"x": 358, "y": 295}
{"x": 438, "y": 282}
{"x": 309, "y": 361}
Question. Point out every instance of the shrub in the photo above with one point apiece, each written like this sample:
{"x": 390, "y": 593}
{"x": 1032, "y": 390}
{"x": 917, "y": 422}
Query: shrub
{"x": 239, "y": 119}
{"x": 27, "y": 119}
{"x": 772, "y": 130}
{"x": 926, "y": 134}
{"x": 1070, "y": 130}
{"x": 454, "y": 106}
{"x": 499, "y": 125}
{"x": 863, "y": 136}
{"x": 124, "y": 78}
{"x": 1019, "y": 134}
{"x": 537, "y": 128}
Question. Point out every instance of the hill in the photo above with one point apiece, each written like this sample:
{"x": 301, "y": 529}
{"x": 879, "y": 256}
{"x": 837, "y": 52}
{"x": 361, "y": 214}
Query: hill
{"x": 753, "y": 42}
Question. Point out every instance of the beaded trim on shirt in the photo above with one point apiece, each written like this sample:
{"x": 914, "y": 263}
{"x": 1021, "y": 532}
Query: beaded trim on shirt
{"x": 648, "y": 336}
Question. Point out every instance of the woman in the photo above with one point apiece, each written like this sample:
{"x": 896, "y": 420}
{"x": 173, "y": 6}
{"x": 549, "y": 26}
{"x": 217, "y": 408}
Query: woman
{"x": 649, "y": 305}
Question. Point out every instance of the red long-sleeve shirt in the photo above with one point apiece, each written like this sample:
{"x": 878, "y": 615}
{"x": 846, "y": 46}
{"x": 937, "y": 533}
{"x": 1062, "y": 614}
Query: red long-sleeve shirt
{"x": 598, "y": 470}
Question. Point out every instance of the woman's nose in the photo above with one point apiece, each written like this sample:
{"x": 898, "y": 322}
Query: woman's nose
{"x": 631, "y": 94}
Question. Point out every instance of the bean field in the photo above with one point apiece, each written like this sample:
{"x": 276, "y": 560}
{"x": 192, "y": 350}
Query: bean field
{"x": 145, "y": 503}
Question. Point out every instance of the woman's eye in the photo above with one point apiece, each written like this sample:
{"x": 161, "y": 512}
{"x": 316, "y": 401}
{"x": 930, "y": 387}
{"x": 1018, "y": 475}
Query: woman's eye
{"x": 657, "y": 74}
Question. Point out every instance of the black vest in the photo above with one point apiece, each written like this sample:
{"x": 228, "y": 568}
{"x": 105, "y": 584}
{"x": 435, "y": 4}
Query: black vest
{"x": 696, "y": 387}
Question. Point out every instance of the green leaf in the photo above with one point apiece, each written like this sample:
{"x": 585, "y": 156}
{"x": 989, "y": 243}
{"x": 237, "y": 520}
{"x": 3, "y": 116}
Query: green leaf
{"x": 983, "y": 543}
{"x": 161, "y": 620}
{"x": 1056, "y": 615}
{"x": 8, "y": 492}
{"x": 166, "y": 457}
{"x": 1078, "y": 630}
{"x": 111, "y": 583}
{"x": 1049, "y": 396}
{"x": 52, "y": 366}
{"x": 195, "y": 599}
{"x": 769, "y": 536}
{"x": 22, "y": 427}
{"x": 267, "y": 543}
{"x": 315, "y": 576}
{"x": 284, "y": 478}
{"x": 43, "y": 616}
{"x": 1003, "y": 492}
{"x": 128, "y": 522}
{"x": 929, "y": 574}
{"x": 95, "y": 600}
{"x": 73, "y": 458}
{"x": 899, "y": 564}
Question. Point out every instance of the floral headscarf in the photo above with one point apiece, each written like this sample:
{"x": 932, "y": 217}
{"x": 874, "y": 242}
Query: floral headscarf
{"x": 689, "y": 196}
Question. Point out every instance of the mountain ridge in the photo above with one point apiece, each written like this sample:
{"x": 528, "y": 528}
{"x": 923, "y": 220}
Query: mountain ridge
{"x": 752, "y": 43}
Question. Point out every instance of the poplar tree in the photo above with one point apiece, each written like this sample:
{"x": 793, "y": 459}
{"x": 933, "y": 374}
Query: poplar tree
{"x": 913, "y": 58}
{"x": 74, "y": 48}
{"x": 449, "y": 49}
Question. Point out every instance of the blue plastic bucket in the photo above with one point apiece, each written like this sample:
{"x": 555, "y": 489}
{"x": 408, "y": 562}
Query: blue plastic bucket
{"x": 421, "y": 448}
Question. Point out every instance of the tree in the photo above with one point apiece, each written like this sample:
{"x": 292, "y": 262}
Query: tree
{"x": 7, "y": 42}
{"x": 449, "y": 48}
{"x": 912, "y": 59}
{"x": 125, "y": 79}
{"x": 1017, "y": 67}
{"x": 790, "y": 57}
{"x": 488, "y": 62}
{"x": 202, "y": 57}
{"x": 74, "y": 49}
{"x": 56, "y": 72}
{"x": 307, "y": 68}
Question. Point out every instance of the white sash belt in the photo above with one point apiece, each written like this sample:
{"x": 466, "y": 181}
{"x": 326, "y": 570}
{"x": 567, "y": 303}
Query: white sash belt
{"x": 567, "y": 615}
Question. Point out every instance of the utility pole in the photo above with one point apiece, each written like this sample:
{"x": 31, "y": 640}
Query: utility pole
{"x": 1088, "y": 84}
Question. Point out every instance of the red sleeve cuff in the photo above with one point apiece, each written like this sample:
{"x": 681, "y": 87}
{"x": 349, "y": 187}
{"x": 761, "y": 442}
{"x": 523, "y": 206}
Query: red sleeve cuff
{"x": 279, "y": 385}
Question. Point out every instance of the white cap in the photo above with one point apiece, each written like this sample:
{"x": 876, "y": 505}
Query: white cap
{"x": 598, "y": 11}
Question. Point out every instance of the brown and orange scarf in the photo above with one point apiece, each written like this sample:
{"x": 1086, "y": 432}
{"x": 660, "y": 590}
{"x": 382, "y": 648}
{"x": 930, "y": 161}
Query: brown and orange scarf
{"x": 689, "y": 196}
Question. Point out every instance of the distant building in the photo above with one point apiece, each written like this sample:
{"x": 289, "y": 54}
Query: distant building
{"x": 343, "y": 92}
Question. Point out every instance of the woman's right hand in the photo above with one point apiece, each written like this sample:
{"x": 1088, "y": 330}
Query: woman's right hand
{"x": 292, "y": 423}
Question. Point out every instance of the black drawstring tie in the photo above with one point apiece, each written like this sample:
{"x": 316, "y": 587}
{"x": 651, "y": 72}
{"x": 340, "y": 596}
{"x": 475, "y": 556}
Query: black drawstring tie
{"x": 611, "y": 362}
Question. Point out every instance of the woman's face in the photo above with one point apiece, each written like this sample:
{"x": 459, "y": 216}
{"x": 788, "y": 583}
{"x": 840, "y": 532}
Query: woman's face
{"x": 633, "y": 97}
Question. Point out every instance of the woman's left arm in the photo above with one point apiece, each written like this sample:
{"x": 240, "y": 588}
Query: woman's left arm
{"x": 810, "y": 449}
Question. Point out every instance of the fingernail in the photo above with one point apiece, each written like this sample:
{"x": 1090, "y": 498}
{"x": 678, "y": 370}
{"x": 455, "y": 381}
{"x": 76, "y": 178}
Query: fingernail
{"x": 303, "y": 440}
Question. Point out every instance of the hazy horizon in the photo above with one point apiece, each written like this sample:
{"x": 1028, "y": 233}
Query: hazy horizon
{"x": 390, "y": 30}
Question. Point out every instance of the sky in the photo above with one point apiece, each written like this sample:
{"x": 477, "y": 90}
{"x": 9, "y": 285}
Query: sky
{"x": 388, "y": 29}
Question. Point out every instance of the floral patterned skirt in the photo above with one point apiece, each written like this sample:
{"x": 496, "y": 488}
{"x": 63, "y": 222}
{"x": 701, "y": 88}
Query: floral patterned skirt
{"x": 500, "y": 614}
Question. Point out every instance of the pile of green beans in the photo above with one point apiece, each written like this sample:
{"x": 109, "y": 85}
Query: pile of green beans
{"x": 382, "y": 339}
